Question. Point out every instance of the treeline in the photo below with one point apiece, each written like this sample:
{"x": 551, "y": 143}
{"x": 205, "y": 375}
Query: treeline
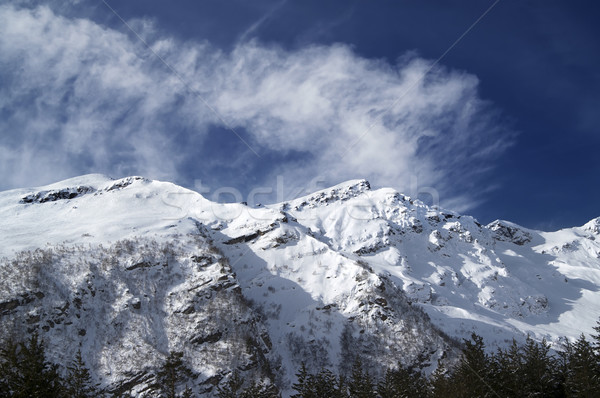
{"x": 527, "y": 370}
{"x": 25, "y": 372}
{"x": 520, "y": 370}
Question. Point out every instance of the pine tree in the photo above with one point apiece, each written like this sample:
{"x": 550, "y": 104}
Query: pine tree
{"x": 322, "y": 385}
{"x": 439, "y": 381}
{"x": 327, "y": 385}
{"x": 442, "y": 382}
{"x": 10, "y": 379}
{"x": 386, "y": 388}
{"x": 407, "y": 382}
{"x": 232, "y": 387}
{"x": 507, "y": 370}
{"x": 583, "y": 370}
{"x": 596, "y": 339}
{"x": 27, "y": 373}
{"x": 187, "y": 393}
{"x": 361, "y": 384}
{"x": 260, "y": 390}
{"x": 538, "y": 371}
{"x": 79, "y": 382}
{"x": 301, "y": 386}
{"x": 172, "y": 373}
{"x": 596, "y": 353}
{"x": 471, "y": 378}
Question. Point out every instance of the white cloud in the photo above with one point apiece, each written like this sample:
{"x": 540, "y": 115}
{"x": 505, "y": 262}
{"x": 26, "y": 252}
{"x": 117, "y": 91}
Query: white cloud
{"x": 79, "y": 97}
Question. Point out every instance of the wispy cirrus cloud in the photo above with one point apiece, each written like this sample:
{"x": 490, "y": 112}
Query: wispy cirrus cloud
{"x": 256, "y": 25}
{"x": 79, "y": 97}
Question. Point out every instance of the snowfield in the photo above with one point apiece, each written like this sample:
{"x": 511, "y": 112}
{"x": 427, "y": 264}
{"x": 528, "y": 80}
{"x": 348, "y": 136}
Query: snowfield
{"x": 131, "y": 269}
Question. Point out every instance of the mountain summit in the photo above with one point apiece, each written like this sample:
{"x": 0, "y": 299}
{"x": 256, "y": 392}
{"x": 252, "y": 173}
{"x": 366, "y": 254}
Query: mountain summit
{"x": 133, "y": 269}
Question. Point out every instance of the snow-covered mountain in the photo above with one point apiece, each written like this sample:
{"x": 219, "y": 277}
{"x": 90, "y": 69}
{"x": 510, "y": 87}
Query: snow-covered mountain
{"x": 132, "y": 269}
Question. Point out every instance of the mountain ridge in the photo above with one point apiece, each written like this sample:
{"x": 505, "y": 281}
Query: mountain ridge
{"x": 346, "y": 269}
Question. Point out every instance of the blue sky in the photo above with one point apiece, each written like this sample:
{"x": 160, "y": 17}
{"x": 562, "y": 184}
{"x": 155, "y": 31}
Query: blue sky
{"x": 213, "y": 94}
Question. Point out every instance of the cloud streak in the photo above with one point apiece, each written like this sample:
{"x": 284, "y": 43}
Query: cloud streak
{"x": 256, "y": 25}
{"x": 79, "y": 97}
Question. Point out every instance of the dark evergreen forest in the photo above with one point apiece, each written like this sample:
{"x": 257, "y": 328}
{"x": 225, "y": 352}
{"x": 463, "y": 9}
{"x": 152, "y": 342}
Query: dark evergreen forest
{"x": 531, "y": 369}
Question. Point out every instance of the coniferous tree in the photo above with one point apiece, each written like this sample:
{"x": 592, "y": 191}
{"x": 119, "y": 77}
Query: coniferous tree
{"x": 4, "y": 386}
{"x": 41, "y": 377}
{"x": 187, "y": 393}
{"x": 322, "y": 385}
{"x": 10, "y": 379}
{"x": 582, "y": 378}
{"x": 596, "y": 339}
{"x": 326, "y": 385}
{"x": 260, "y": 390}
{"x": 441, "y": 382}
{"x": 386, "y": 388}
{"x": 360, "y": 385}
{"x": 78, "y": 383}
{"x": 172, "y": 373}
{"x": 564, "y": 366}
{"x": 301, "y": 386}
{"x": 471, "y": 377}
{"x": 403, "y": 382}
{"x": 232, "y": 387}
{"x": 506, "y": 370}
{"x": 538, "y": 371}
{"x": 596, "y": 353}
{"x": 27, "y": 373}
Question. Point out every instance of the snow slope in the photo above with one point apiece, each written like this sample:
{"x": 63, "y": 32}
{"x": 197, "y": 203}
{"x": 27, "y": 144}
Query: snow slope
{"x": 316, "y": 279}
{"x": 499, "y": 280}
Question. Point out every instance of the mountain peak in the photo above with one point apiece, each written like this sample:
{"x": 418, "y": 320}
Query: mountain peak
{"x": 90, "y": 180}
{"x": 340, "y": 192}
{"x": 593, "y": 226}
{"x": 510, "y": 232}
{"x": 359, "y": 184}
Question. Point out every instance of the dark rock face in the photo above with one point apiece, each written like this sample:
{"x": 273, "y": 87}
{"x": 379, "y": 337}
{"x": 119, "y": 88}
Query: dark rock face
{"x": 9, "y": 305}
{"x": 125, "y": 182}
{"x": 339, "y": 193}
{"x": 211, "y": 338}
{"x": 54, "y": 195}
{"x": 509, "y": 233}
